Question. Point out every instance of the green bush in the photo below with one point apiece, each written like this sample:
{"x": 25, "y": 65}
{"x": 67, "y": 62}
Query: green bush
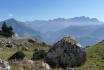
{"x": 17, "y": 56}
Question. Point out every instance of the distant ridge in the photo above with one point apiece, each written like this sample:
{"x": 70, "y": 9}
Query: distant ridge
{"x": 86, "y": 30}
{"x": 60, "y": 23}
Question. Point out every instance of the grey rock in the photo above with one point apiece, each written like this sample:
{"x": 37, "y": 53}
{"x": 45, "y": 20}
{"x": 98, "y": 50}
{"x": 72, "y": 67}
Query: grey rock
{"x": 66, "y": 53}
{"x": 15, "y": 42}
{"x": 39, "y": 54}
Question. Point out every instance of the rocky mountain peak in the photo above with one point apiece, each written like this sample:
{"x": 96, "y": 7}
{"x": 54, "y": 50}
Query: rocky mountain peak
{"x": 84, "y": 18}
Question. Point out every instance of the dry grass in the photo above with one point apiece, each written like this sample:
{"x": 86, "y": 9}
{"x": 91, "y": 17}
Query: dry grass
{"x": 7, "y": 52}
{"x": 95, "y": 58}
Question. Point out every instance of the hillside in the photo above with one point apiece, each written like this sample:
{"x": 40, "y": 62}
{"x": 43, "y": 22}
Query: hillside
{"x": 21, "y": 29}
{"x": 95, "y": 57}
{"x": 11, "y": 45}
{"x": 27, "y": 46}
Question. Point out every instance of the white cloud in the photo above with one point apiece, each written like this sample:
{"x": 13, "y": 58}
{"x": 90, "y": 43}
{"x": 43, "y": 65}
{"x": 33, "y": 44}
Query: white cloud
{"x": 10, "y": 15}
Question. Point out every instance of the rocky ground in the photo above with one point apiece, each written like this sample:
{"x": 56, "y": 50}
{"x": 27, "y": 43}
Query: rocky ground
{"x": 63, "y": 54}
{"x": 16, "y": 42}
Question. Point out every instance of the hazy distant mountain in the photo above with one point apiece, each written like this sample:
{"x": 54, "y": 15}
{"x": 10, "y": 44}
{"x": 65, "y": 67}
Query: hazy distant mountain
{"x": 47, "y": 25}
{"x": 60, "y": 23}
{"x": 21, "y": 28}
{"x": 86, "y": 30}
{"x": 86, "y": 35}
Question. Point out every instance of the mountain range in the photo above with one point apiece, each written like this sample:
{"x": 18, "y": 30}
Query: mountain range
{"x": 87, "y": 31}
{"x": 61, "y": 23}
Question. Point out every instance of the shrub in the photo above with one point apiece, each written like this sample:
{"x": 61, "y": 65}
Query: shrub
{"x": 18, "y": 56}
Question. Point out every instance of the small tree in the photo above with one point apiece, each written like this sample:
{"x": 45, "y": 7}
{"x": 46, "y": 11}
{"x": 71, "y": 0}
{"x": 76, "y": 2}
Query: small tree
{"x": 7, "y": 31}
{"x": 4, "y": 27}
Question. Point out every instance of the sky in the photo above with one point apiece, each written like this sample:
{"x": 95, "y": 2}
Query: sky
{"x": 29, "y": 10}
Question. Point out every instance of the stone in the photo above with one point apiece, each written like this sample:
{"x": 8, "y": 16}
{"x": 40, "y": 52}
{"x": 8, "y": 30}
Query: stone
{"x": 4, "y": 65}
{"x": 66, "y": 53}
{"x": 45, "y": 65}
{"x": 39, "y": 54}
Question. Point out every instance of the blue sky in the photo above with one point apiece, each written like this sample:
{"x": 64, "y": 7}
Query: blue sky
{"x": 49, "y": 9}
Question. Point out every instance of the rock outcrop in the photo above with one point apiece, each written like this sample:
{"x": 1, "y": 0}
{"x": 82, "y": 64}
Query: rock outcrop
{"x": 39, "y": 54}
{"x": 15, "y": 42}
{"x": 66, "y": 53}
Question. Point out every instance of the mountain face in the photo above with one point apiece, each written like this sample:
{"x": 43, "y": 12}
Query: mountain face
{"x": 47, "y": 26}
{"x": 21, "y": 29}
{"x": 60, "y": 23}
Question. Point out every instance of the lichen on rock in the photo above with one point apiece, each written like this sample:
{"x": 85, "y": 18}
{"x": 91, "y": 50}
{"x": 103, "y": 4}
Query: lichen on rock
{"x": 66, "y": 53}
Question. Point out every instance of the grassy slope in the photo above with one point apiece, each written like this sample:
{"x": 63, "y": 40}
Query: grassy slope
{"x": 95, "y": 58}
{"x": 7, "y": 52}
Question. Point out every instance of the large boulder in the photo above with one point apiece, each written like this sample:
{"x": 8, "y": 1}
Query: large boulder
{"x": 66, "y": 53}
